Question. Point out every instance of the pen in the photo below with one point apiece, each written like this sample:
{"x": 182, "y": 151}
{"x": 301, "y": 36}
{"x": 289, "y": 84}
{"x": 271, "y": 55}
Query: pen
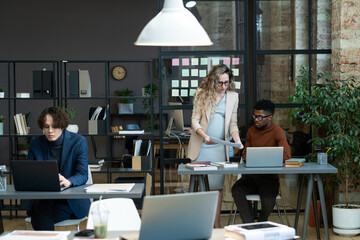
{"x": 328, "y": 150}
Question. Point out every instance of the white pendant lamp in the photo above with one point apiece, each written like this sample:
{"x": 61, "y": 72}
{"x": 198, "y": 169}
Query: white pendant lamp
{"x": 173, "y": 26}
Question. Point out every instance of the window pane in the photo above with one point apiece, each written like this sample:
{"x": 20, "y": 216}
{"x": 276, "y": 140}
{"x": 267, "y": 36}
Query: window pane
{"x": 276, "y": 74}
{"x": 224, "y": 21}
{"x": 182, "y": 75}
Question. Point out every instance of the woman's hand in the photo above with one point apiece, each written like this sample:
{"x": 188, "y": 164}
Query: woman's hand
{"x": 63, "y": 181}
{"x": 207, "y": 140}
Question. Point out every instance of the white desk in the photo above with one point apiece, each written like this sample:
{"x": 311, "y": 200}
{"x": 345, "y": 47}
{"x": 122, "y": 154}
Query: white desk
{"x": 199, "y": 180}
{"x": 71, "y": 193}
{"x": 217, "y": 234}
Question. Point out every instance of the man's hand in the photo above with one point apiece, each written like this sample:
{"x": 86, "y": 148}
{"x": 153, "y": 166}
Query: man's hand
{"x": 63, "y": 181}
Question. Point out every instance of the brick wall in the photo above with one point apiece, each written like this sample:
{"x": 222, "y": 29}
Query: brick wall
{"x": 345, "y": 37}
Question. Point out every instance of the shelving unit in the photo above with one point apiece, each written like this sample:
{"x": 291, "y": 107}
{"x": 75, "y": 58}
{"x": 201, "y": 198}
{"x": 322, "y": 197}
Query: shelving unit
{"x": 17, "y": 76}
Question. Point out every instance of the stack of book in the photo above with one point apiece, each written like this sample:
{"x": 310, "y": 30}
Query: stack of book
{"x": 96, "y": 164}
{"x": 201, "y": 166}
{"x": 294, "y": 162}
{"x": 20, "y": 123}
{"x": 116, "y": 129}
{"x": 260, "y": 230}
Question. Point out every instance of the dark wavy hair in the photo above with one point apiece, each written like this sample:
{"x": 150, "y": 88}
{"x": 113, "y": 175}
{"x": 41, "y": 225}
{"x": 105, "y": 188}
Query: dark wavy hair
{"x": 61, "y": 119}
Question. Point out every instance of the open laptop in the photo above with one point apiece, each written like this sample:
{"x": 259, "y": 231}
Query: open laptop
{"x": 177, "y": 216}
{"x": 264, "y": 156}
{"x": 31, "y": 175}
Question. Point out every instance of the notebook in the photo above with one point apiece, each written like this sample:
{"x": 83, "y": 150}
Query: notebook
{"x": 264, "y": 156}
{"x": 177, "y": 216}
{"x": 31, "y": 175}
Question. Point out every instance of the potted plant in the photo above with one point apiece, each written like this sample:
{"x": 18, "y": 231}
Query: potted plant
{"x": 72, "y": 114}
{"x": 2, "y": 93}
{"x": 2, "y": 124}
{"x": 126, "y": 105}
{"x": 149, "y": 90}
{"x": 332, "y": 110}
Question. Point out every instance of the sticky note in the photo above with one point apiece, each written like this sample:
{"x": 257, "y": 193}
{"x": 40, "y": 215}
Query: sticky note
{"x": 235, "y": 71}
{"x": 235, "y": 61}
{"x": 194, "y": 61}
{"x": 184, "y": 83}
{"x": 185, "y": 62}
{"x": 175, "y": 62}
{"x": 192, "y": 92}
{"x": 175, "y": 92}
{"x": 226, "y": 61}
{"x": 203, "y": 61}
{"x": 185, "y": 72}
{"x": 194, "y": 72}
{"x": 202, "y": 73}
{"x": 215, "y": 61}
{"x": 237, "y": 85}
{"x": 175, "y": 83}
{"x": 184, "y": 93}
{"x": 194, "y": 83}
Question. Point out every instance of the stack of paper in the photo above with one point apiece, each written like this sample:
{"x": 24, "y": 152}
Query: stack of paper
{"x": 36, "y": 235}
{"x": 200, "y": 166}
{"x": 111, "y": 187}
{"x": 226, "y": 164}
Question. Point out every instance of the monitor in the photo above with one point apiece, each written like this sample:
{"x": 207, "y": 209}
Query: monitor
{"x": 176, "y": 119}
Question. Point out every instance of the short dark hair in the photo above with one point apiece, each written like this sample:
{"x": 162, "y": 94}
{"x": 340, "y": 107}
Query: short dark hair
{"x": 265, "y": 105}
{"x": 61, "y": 119}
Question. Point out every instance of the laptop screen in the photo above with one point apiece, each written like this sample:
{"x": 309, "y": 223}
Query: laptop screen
{"x": 166, "y": 216}
{"x": 33, "y": 175}
{"x": 264, "y": 156}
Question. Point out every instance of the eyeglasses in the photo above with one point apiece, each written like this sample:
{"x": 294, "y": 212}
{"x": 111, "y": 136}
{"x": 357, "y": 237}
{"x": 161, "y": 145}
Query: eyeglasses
{"x": 259, "y": 117}
{"x": 226, "y": 83}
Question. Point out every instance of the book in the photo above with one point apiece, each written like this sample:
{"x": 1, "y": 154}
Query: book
{"x": 201, "y": 166}
{"x": 96, "y": 161}
{"x": 260, "y": 230}
{"x": 131, "y": 132}
{"x": 295, "y": 161}
{"x": 23, "y": 95}
{"x": 226, "y": 164}
{"x": 110, "y": 187}
{"x": 95, "y": 167}
{"x": 36, "y": 235}
{"x": 294, "y": 165}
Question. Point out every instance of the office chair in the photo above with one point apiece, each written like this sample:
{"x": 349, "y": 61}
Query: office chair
{"x": 255, "y": 199}
{"x": 123, "y": 215}
{"x": 67, "y": 222}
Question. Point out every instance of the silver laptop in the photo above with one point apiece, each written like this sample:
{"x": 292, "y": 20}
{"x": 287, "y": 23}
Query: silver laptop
{"x": 33, "y": 175}
{"x": 177, "y": 216}
{"x": 264, "y": 156}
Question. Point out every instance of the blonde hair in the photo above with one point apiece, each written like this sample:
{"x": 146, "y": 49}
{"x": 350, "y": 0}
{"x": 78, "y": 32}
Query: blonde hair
{"x": 205, "y": 97}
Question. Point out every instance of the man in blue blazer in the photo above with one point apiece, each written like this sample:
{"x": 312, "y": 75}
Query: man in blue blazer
{"x": 70, "y": 151}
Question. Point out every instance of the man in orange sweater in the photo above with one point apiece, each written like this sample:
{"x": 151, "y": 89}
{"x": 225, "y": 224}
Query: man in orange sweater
{"x": 262, "y": 134}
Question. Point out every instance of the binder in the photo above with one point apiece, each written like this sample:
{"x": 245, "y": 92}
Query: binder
{"x": 74, "y": 84}
{"x": 84, "y": 84}
{"x": 43, "y": 84}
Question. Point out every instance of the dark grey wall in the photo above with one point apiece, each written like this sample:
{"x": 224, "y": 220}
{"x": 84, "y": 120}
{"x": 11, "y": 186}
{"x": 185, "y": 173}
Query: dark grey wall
{"x": 74, "y": 29}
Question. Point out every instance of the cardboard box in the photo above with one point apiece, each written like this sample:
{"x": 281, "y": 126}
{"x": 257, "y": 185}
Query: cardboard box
{"x": 140, "y": 163}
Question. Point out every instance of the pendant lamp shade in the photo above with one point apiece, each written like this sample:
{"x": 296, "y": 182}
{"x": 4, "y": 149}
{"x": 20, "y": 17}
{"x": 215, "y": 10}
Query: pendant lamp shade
{"x": 173, "y": 26}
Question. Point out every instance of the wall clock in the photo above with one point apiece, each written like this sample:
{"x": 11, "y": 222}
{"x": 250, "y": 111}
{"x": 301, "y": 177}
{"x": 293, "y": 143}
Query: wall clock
{"x": 119, "y": 72}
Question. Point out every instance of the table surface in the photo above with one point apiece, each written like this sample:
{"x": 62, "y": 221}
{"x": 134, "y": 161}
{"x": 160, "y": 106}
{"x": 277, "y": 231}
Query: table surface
{"x": 307, "y": 168}
{"x": 70, "y": 193}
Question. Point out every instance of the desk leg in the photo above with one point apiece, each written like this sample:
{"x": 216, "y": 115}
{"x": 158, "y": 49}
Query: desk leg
{"x": 1, "y": 223}
{"x": 201, "y": 183}
{"x": 315, "y": 210}
{"x": 307, "y": 206}
{"x": 206, "y": 180}
{"x": 192, "y": 183}
{"x": 323, "y": 206}
{"x": 301, "y": 188}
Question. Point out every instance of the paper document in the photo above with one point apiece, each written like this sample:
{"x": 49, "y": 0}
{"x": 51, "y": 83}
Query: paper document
{"x": 219, "y": 141}
{"x": 36, "y": 235}
{"x": 107, "y": 188}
